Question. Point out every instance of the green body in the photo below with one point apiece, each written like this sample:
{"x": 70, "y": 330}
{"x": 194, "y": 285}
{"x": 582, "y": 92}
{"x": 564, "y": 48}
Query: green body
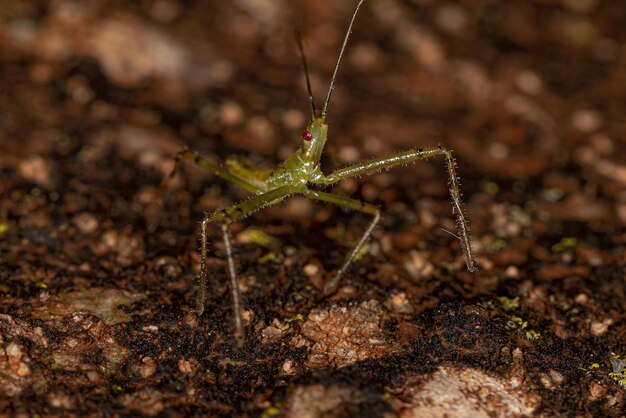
{"x": 301, "y": 168}
{"x": 294, "y": 176}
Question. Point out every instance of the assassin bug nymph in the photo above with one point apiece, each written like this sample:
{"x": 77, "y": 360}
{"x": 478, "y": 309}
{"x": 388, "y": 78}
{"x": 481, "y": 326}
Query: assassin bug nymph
{"x": 295, "y": 175}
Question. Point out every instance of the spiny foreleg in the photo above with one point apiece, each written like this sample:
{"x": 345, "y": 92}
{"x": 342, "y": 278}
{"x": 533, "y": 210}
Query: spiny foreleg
{"x": 377, "y": 164}
{"x": 225, "y": 217}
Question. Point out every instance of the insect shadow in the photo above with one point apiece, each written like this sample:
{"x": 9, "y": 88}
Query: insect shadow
{"x": 295, "y": 176}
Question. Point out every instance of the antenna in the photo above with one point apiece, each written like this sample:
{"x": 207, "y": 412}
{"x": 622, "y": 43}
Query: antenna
{"x": 343, "y": 48}
{"x": 306, "y": 74}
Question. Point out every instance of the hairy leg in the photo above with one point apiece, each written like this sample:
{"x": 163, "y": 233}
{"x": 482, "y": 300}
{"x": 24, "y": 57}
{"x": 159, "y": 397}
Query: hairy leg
{"x": 377, "y": 164}
{"x": 226, "y": 217}
{"x": 196, "y": 159}
{"x": 345, "y": 202}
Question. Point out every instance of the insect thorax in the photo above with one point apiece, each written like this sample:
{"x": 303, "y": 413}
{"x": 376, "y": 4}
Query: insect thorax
{"x": 294, "y": 170}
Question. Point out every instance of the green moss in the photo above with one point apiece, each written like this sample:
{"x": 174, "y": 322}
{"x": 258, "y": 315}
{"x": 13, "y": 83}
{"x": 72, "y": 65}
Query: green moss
{"x": 259, "y": 237}
{"x": 362, "y": 252}
{"x": 532, "y": 335}
{"x": 271, "y": 411}
{"x": 271, "y": 256}
{"x": 619, "y": 371}
{"x": 388, "y": 396}
{"x": 509, "y": 303}
{"x": 491, "y": 188}
{"x": 515, "y": 322}
{"x": 564, "y": 244}
{"x": 298, "y": 317}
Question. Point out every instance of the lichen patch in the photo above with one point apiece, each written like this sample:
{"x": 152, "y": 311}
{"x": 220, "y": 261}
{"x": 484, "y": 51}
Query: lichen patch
{"x": 454, "y": 392}
{"x": 344, "y": 335}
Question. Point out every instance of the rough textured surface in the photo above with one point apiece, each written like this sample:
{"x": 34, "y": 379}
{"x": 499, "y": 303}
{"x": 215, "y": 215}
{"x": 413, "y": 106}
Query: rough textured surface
{"x": 344, "y": 335}
{"x": 451, "y": 392}
{"x": 317, "y": 401}
{"x": 104, "y": 303}
{"x": 98, "y": 260}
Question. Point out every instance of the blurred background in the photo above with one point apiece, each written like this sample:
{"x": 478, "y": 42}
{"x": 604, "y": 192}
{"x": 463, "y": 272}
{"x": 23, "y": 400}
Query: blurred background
{"x": 96, "y": 98}
{"x": 529, "y": 94}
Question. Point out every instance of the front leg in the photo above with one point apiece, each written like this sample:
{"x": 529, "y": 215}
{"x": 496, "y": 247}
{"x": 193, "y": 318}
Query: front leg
{"x": 225, "y": 217}
{"x": 223, "y": 172}
{"x": 377, "y": 164}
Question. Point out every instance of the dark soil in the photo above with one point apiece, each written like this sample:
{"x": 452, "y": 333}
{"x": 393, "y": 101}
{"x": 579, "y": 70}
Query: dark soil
{"x": 98, "y": 260}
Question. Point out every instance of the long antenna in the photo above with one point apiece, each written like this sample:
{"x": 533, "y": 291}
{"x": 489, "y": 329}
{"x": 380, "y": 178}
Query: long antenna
{"x": 343, "y": 48}
{"x": 306, "y": 74}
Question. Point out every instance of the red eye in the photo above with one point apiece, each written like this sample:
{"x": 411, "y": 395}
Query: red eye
{"x": 306, "y": 135}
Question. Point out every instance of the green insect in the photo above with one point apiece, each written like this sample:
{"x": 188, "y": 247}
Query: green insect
{"x": 296, "y": 176}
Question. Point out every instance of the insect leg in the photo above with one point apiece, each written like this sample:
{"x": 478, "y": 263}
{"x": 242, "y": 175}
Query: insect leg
{"x": 345, "y": 202}
{"x": 377, "y": 164}
{"x": 234, "y": 288}
{"x": 201, "y": 296}
{"x": 198, "y": 160}
{"x": 226, "y": 217}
